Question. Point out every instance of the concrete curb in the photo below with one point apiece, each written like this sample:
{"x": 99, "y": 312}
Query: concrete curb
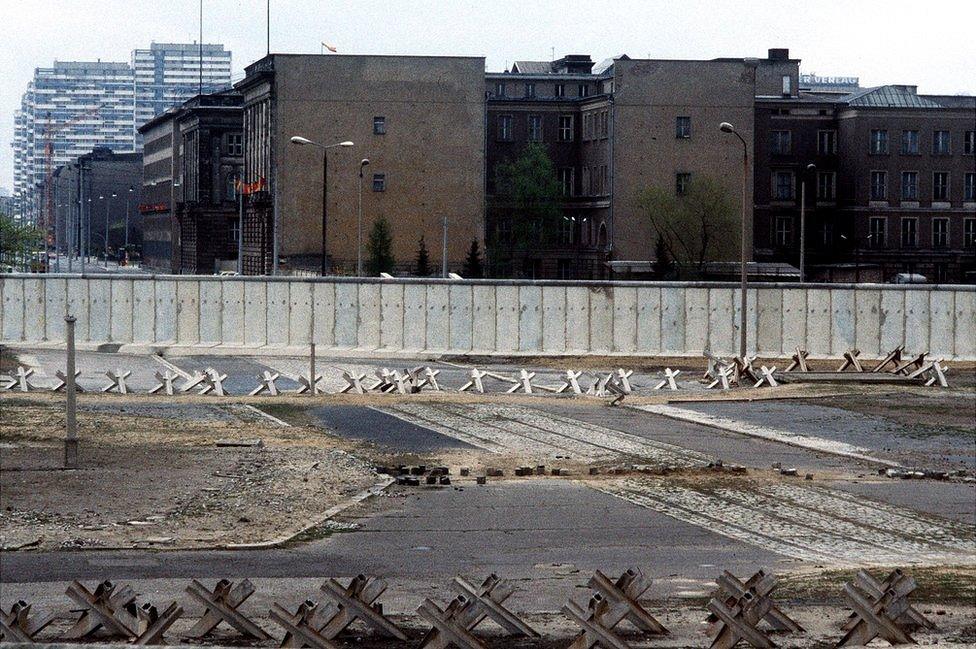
{"x": 808, "y": 442}
{"x": 375, "y": 490}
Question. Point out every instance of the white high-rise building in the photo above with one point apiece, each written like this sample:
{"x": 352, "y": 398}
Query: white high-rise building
{"x": 168, "y": 74}
{"x": 80, "y": 105}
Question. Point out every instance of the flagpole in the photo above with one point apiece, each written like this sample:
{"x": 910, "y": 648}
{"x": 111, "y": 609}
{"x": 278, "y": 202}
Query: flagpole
{"x": 200, "y": 88}
{"x": 269, "y": 27}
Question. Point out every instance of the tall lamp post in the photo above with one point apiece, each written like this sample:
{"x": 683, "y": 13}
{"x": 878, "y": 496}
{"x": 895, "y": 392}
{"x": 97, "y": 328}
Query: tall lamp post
{"x": 803, "y": 220}
{"x": 359, "y": 221}
{"x": 301, "y": 141}
{"x": 725, "y": 127}
{"x": 128, "y": 199}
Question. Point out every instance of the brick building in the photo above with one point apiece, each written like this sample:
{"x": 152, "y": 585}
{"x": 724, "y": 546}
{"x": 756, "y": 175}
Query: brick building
{"x": 193, "y": 156}
{"x": 420, "y": 122}
{"x": 614, "y": 130}
{"x": 893, "y": 189}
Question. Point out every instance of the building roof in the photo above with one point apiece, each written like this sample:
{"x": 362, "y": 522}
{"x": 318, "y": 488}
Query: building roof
{"x": 532, "y": 67}
{"x": 888, "y": 97}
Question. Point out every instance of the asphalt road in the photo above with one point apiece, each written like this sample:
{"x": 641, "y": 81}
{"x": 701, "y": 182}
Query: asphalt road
{"x": 514, "y": 528}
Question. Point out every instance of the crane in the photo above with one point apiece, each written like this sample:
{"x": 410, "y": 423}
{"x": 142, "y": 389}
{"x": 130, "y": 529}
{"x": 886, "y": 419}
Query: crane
{"x": 50, "y": 132}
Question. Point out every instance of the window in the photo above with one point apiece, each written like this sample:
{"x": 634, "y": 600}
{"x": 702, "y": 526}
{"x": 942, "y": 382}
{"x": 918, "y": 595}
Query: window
{"x": 681, "y": 182}
{"x": 940, "y": 233}
{"x": 878, "y": 228}
{"x": 505, "y": 127}
{"x": 566, "y": 180}
{"x": 230, "y": 187}
{"x": 784, "y": 231}
{"x": 909, "y": 142}
{"x": 587, "y": 185}
{"x": 566, "y": 227}
{"x": 909, "y": 231}
{"x": 583, "y": 90}
{"x": 560, "y": 90}
{"x": 564, "y": 268}
{"x": 969, "y": 233}
{"x": 234, "y": 232}
{"x": 826, "y": 142}
{"x": 941, "y": 272}
{"x": 379, "y": 125}
{"x": 826, "y": 234}
{"x": 682, "y": 128}
{"x": 825, "y": 186}
{"x": 535, "y": 128}
{"x": 879, "y": 141}
{"x": 787, "y": 84}
{"x": 783, "y": 185}
{"x": 909, "y": 185}
{"x": 499, "y": 89}
{"x": 969, "y": 143}
{"x": 879, "y": 186}
{"x": 781, "y": 142}
{"x": 379, "y": 182}
{"x": 940, "y": 143}
{"x": 940, "y": 186}
{"x": 235, "y": 144}
{"x": 530, "y": 90}
{"x": 565, "y": 128}
{"x": 969, "y": 187}
{"x": 605, "y": 124}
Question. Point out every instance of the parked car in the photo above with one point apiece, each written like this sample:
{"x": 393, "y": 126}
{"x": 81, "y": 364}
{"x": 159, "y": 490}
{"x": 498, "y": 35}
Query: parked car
{"x": 909, "y": 278}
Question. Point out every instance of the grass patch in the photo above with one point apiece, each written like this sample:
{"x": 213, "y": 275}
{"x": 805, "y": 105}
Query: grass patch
{"x": 294, "y": 414}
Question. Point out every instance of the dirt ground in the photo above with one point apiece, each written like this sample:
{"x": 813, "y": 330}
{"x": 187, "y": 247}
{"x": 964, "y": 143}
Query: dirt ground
{"x": 157, "y": 478}
{"x": 945, "y": 596}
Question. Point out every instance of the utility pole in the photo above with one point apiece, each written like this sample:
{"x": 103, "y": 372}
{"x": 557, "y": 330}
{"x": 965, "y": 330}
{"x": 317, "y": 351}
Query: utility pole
{"x": 71, "y": 436}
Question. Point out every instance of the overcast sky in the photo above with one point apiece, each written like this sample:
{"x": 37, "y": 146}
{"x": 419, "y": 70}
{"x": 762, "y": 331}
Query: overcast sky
{"x": 930, "y": 44}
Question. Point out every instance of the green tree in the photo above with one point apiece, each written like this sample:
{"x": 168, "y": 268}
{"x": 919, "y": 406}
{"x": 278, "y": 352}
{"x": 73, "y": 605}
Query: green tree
{"x": 663, "y": 266}
{"x": 472, "y": 263}
{"x": 529, "y": 192}
{"x": 422, "y": 268}
{"x": 17, "y": 240}
{"x": 379, "y": 248}
{"x": 694, "y": 228}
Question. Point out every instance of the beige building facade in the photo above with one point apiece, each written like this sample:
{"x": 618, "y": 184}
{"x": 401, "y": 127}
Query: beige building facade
{"x": 418, "y": 120}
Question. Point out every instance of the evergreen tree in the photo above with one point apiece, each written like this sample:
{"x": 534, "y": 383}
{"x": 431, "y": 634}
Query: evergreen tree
{"x": 379, "y": 248}
{"x": 472, "y": 264}
{"x": 663, "y": 265}
{"x": 423, "y": 260}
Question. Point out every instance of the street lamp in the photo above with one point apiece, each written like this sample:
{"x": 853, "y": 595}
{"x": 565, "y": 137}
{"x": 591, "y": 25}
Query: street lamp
{"x": 803, "y": 220}
{"x": 128, "y": 199}
{"x": 359, "y": 222}
{"x": 301, "y": 141}
{"x": 725, "y": 127}
{"x": 105, "y": 248}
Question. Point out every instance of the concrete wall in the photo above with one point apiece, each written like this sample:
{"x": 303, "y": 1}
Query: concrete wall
{"x": 483, "y": 317}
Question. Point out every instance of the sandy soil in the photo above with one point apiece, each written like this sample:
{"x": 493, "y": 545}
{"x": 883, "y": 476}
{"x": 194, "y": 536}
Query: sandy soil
{"x": 158, "y": 479}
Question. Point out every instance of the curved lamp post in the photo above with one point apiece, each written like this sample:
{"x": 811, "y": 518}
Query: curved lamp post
{"x": 301, "y": 141}
{"x": 726, "y": 127}
{"x": 359, "y": 221}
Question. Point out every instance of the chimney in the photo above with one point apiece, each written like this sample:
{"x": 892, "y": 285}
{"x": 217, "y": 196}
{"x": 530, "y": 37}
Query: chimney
{"x": 779, "y": 54}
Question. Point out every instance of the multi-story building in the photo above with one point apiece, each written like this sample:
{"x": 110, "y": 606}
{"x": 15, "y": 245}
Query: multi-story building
{"x": 418, "y": 119}
{"x": 77, "y": 106}
{"x": 73, "y": 107}
{"x": 96, "y": 198}
{"x": 891, "y": 189}
{"x": 615, "y": 130}
{"x": 212, "y": 164}
{"x": 167, "y": 74}
{"x": 160, "y": 186}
